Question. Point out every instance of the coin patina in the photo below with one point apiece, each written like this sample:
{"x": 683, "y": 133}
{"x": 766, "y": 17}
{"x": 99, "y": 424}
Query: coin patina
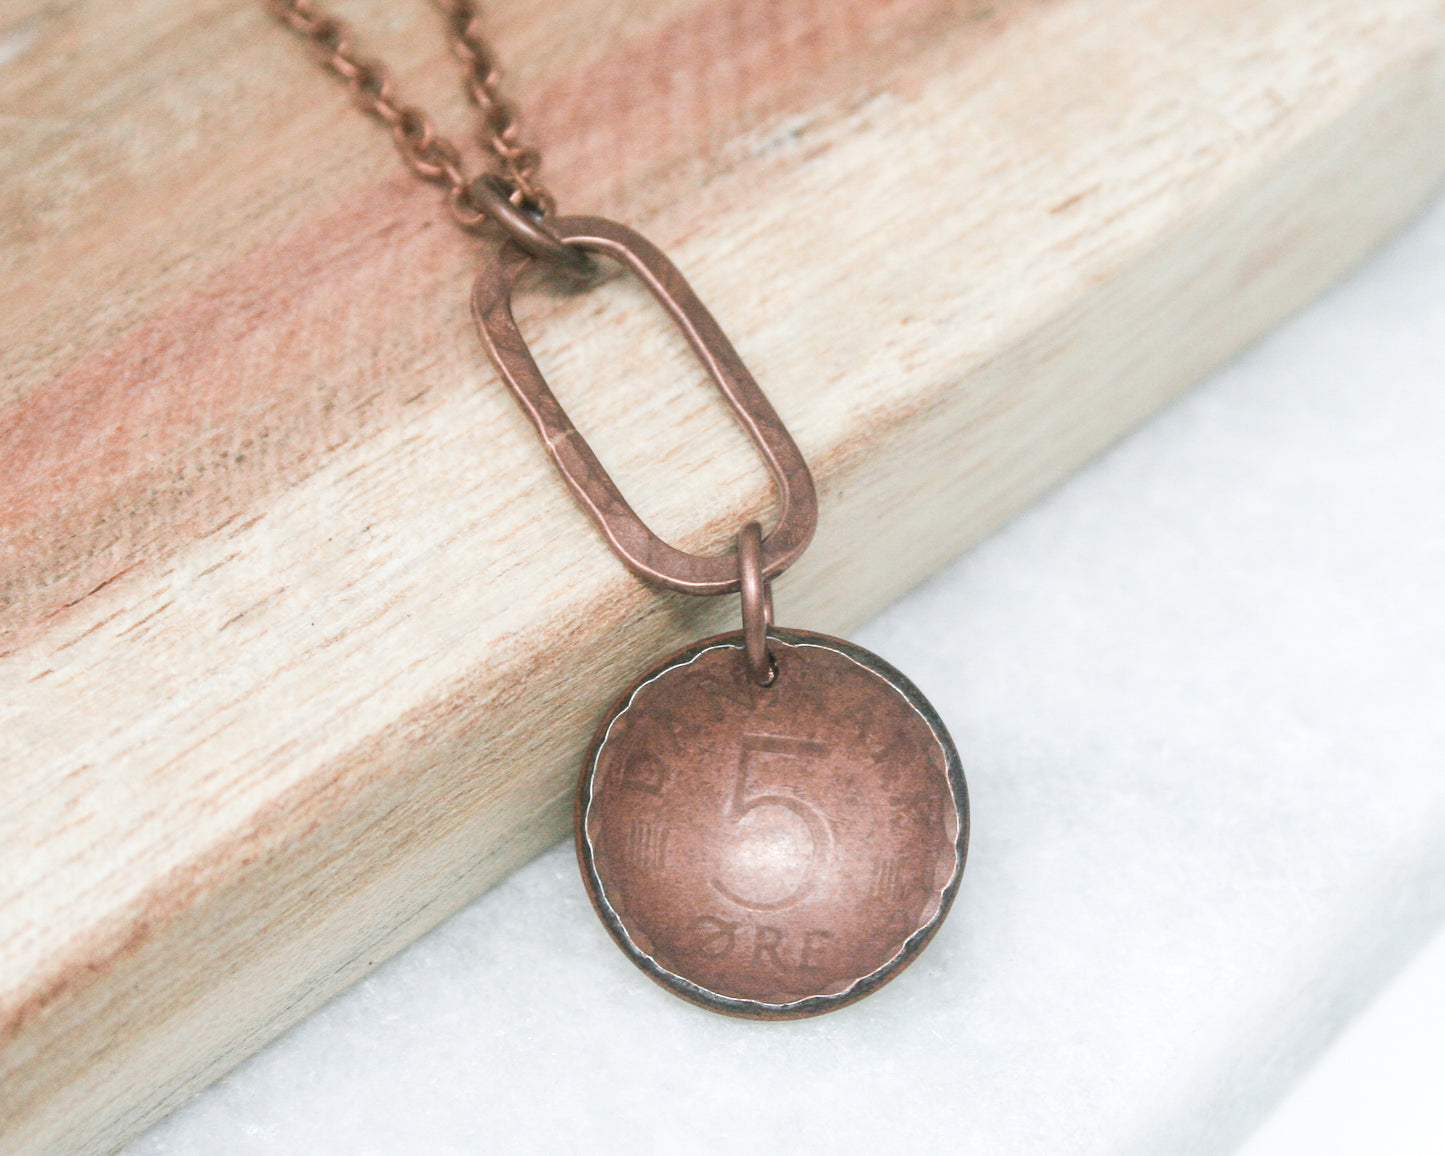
{"x": 772, "y": 851}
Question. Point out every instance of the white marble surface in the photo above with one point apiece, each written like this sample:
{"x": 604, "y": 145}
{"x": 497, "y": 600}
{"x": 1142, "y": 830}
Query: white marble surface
{"x": 1376, "y": 1090}
{"x": 1200, "y": 695}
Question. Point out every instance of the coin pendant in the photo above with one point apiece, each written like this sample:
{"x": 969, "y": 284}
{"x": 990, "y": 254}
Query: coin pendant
{"x": 772, "y": 852}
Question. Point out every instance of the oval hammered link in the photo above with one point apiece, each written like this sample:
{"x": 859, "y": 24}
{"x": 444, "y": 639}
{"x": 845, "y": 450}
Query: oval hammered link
{"x": 426, "y": 152}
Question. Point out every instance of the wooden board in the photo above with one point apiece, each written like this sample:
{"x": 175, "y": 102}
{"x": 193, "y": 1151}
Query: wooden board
{"x": 302, "y": 636}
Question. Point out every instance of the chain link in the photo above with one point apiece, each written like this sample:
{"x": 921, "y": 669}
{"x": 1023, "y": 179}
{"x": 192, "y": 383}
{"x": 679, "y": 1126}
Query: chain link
{"x": 427, "y": 153}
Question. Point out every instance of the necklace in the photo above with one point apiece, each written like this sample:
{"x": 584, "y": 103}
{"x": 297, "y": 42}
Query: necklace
{"x": 770, "y": 823}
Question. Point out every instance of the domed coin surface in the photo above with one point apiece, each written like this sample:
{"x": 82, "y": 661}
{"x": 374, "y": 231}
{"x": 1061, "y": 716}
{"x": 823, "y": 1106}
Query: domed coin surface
{"x": 779, "y": 851}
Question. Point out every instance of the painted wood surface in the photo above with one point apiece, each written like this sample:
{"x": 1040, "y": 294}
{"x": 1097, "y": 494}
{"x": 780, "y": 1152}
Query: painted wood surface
{"x": 301, "y": 635}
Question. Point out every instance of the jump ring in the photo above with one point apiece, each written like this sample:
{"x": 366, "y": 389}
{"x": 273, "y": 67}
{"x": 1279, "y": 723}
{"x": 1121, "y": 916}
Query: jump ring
{"x": 489, "y": 193}
{"x": 757, "y": 606}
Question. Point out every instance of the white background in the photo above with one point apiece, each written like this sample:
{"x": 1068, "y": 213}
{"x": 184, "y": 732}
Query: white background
{"x": 1200, "y": 697}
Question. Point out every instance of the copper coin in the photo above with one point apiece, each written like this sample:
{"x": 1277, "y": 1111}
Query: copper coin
{"x": 779, "y": 851}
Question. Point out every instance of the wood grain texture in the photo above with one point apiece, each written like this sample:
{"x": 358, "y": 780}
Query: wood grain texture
{"x": 302, "y": 637}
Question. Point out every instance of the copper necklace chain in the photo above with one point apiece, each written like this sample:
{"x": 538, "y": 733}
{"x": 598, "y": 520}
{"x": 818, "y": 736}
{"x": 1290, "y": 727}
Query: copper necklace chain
{"x": 426, "y": 152}
{"x": 771, "y": 823}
